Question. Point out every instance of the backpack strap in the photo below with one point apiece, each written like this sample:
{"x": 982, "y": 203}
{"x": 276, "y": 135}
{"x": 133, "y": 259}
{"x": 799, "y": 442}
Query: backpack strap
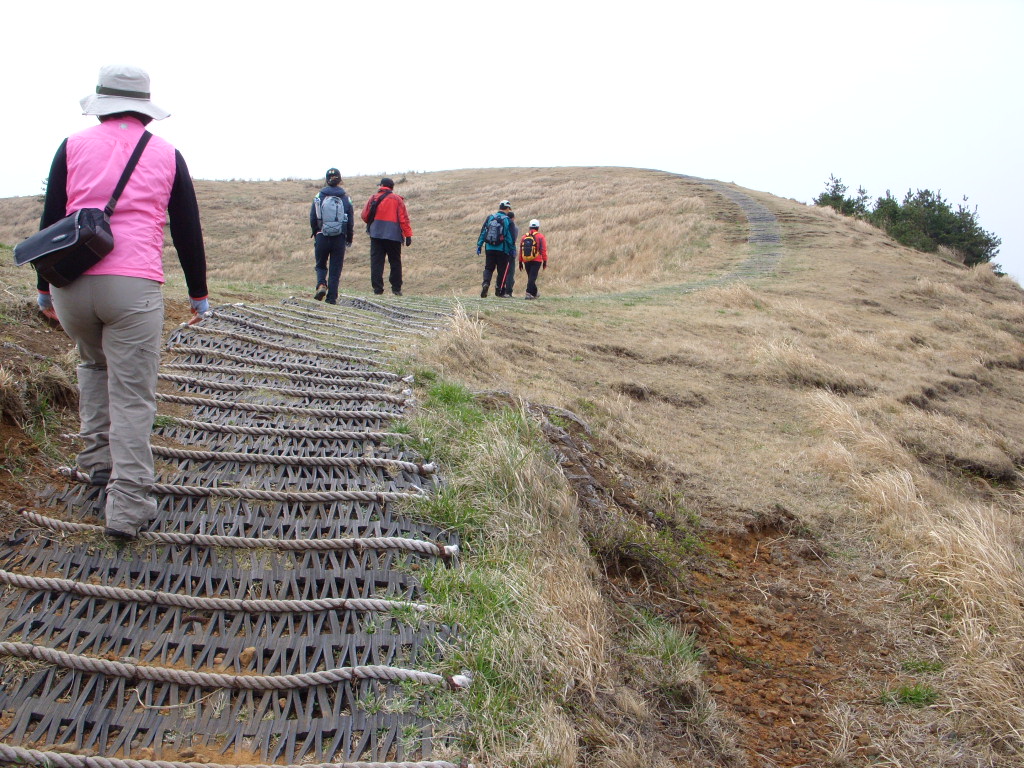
{"x": 373, "y": 206}
{"x": 126, "y": 174}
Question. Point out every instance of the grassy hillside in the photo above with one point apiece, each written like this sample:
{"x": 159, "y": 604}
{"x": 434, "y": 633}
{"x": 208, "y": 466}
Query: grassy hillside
{"x": 786, "y": 530}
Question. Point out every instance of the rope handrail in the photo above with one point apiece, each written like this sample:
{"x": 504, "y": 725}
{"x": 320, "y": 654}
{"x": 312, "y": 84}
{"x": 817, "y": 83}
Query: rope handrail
{"x": 256, "y": 371}
{"x": 257, "y": 341}
{"x": 321, "y": 434}
{"x": 291, "y": 460}
{"x": 359, "y": 329}
{"x": 222, "y": 680}
{"x": 172, "y": 599}
{"x": 444, "y": 551}
{"x": 230, "y": 492}
{"x": 280, "y": 318}
{"x": 348, "y": 312}
{"x": 289, "y": 366}
{"x": 278, "y": 331}
{"x": 51, "y": 759}
{"x": 385, "y": 314}
{"x": 228, "y": 386}
{"x": 213, "y": 402}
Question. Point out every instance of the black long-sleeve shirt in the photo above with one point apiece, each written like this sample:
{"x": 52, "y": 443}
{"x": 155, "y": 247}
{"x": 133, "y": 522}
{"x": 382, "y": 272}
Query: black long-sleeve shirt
{"x": 182, "y": 209}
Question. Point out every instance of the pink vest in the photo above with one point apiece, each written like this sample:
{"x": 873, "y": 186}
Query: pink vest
{"x": 96, "y": 158}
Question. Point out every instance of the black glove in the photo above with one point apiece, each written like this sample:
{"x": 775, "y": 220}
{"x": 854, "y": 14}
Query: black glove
{"x": 408, "y": 241}
{"x": 348, "y": 243}
{"x": 520, "y": 266}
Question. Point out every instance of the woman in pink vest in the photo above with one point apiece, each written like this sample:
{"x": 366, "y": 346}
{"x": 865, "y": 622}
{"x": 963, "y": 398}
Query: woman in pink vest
{"x": 115, "y": 311}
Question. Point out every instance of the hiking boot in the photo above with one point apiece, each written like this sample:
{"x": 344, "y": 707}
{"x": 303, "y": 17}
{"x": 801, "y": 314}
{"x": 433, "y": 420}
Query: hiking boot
{"x": 121, "y": 536}
{"x": 396, "y": 293}
{"x": 483, "y": 293}
{"x": 321, "y": 291}
{"x": 529, "y": 296}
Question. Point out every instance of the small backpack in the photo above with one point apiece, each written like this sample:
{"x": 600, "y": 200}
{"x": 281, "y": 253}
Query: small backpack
{"x": 495, "y": 234}
{"x": 331, "y": 214}
{"x": 530, "y": 248}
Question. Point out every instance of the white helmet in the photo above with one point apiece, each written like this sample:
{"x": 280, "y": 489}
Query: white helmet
{"x": 535, "y": 223}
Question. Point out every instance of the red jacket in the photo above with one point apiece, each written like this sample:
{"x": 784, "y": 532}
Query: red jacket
{"x": 542, "y": 247}
{"x": 391, "y": 221}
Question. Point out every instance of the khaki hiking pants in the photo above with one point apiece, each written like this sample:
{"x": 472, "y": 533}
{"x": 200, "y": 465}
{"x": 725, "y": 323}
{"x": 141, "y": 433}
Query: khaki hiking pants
{"x": 117, "y": 323}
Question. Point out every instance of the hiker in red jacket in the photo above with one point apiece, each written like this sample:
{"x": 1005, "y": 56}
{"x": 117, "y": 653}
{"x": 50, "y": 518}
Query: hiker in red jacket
{"x": 533, "y": 256}
{"x": 387, "y": 223}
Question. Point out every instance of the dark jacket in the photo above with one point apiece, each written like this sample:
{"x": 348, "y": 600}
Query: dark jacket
{"x": 391, "y": 221}
{"x": 511, "y": 231}
{"x": 339, "y": 191}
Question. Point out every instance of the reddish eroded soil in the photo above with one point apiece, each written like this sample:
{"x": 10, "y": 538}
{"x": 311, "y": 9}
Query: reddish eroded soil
{"x": 781, "y": 645}
{"x": 778, "y": 619}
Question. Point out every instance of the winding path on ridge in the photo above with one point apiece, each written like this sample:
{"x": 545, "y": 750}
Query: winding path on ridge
{"x": 764, "y": 237}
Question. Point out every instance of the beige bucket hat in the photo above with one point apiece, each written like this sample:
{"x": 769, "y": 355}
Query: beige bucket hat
{"x": 122, "y": 88}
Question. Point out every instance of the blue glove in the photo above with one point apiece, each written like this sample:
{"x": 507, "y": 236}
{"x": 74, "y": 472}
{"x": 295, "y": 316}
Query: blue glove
{"x": 199, "y": 306}
{"x": 478, "y": 250}
{"x": 45, "y": 301}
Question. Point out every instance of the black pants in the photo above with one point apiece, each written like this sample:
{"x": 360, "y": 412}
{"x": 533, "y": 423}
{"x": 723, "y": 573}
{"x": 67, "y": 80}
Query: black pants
{"x": 532, "y": 270}
{"x": 379, "y": 250}
{"x": 329, "y": 251}
{"x": 500, "y": 262}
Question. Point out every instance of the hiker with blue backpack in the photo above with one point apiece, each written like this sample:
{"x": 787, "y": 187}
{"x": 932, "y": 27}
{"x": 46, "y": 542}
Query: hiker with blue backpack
{"x": 498, "y": 238}
{"x": 330, "y": 218}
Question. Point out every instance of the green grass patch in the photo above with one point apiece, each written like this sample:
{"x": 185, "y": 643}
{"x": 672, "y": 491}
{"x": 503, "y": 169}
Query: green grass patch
{"x": 918, "y": 695}
{"x": 655, "y": 637}
{"x": 922, "y": 666}
{"x": 493, "y": 498}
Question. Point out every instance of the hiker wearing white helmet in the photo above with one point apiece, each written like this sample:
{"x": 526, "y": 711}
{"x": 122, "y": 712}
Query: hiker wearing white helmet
{"x": 533, "y": 256}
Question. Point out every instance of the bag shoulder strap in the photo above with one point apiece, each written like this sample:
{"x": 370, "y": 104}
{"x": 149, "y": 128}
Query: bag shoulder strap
{"x": 123, "y": 181}
{"x": 376, "y": 204}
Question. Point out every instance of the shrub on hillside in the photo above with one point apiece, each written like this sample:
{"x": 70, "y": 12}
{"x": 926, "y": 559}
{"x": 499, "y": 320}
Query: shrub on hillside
{"x": 924, "y": 220}
{"x": 834, "y": 196}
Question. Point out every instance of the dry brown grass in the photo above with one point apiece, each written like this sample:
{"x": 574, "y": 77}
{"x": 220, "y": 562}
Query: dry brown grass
{"x": 608, "y": 229}
{"x": 966, "y": 553}
{"x": 874, "y": 393}
{"x": 807, "y": 391}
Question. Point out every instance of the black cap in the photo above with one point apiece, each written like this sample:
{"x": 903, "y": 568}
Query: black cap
{"x": 333, "y": 173}
{"x": 386, "y": 182}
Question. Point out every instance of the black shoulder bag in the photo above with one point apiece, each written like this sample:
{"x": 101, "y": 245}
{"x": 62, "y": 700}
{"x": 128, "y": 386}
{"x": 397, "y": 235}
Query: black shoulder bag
{"x": 372, "y": 215}
{"x": 67, "y": 248}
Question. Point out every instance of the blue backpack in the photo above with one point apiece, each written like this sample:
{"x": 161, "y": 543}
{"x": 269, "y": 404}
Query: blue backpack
{"x": 330, "y": 213}
{"x": 495, "y": 234}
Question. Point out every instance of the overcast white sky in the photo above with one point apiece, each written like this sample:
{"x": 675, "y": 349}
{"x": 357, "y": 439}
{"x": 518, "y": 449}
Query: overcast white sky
{"x": 774, "y": 96}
